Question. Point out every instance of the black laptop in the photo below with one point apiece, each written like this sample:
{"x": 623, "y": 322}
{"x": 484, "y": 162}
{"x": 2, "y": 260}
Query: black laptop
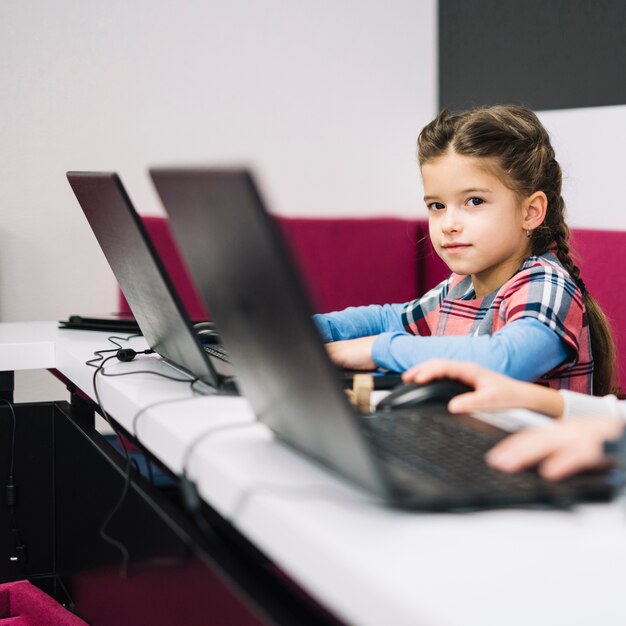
{"x": 144, "y": 280}
{"x": 417, "y": 458}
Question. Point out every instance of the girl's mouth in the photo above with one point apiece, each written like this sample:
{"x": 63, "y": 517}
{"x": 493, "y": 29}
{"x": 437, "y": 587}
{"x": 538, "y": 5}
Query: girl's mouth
{"x": 454, "y": 248}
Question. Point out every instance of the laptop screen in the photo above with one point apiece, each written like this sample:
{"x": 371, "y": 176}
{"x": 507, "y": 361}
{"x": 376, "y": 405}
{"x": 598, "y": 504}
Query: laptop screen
{"x": 141, "y": 274}
{"x": 235, "y": 254}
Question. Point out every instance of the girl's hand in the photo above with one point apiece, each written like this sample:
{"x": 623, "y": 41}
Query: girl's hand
{"x": 491, "y": 390}
{"x": 353, "y": 353}
{"x": 560, "y": 451}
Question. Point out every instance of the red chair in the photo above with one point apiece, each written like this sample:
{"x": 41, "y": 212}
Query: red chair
{"x": 23, "y": 604}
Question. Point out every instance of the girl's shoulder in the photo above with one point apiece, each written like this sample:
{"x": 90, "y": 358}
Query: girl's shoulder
{"x": 542, "y": 270}
{"x": 547, "y": 259}
{"x": 546, "y": 263}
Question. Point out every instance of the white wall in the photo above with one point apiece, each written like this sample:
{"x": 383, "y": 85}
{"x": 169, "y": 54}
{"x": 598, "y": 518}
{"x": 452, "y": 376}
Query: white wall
{"x": 324, "y": 97}
{"x": 589, "y": 145}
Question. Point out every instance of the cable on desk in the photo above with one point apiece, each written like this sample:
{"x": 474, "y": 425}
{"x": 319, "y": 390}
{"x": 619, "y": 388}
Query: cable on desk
{"x": 191, "y": 381}
{"x": 189, "y": 491}
{"x": 135, "y": 422}
{"x": 98, "y": 358}
{"x": 207, "y": 434}
{"x": 191, "y": 496}
{"x": 102, "y": 530}
{"x": 128, "y": 354}
{"x": 188, "y": 487}
{"x": 129, "y": 462}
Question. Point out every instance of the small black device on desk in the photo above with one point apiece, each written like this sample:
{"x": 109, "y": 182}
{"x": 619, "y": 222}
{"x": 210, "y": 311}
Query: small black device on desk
{"x": 115, "y": 323}
{"x": 122, "y": 323}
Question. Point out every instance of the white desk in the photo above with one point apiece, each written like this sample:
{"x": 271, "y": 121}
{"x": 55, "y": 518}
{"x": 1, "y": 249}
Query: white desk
{"x": 366, "y": 563}
{"x": 27, "y": 345}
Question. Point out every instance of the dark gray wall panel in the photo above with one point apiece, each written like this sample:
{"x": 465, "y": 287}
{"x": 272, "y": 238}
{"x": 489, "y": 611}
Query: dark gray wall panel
{"x": 548, "y": 54}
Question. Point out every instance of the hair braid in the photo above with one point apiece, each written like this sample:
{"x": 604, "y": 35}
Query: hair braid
{"x": 602, "y": 344}
{"x": 561, "y": 235}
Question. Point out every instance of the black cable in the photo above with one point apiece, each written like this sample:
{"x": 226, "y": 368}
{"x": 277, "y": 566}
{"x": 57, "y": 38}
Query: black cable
{"x": 111, "y": 338}
{"x": 10, "y": 405}
{"x": 102, "y": 530}
{"x": 167, "y": 561}
{"x": 188, "y": 487}
{"x": 11, "y": 493}
{"x": 127, "y": 474}
{"x": 192, "y": 499}
{"x": 189, "y": 491}
{"x": 188, "y": 451}
{"x": 129, "y": 461}
{"x": 128, "y": 354}
{"x": 160, "y": 374}
{"x": 135, "y": 422}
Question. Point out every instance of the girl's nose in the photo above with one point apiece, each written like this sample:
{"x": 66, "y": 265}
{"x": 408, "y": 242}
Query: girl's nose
{"x": 451, "y": 222}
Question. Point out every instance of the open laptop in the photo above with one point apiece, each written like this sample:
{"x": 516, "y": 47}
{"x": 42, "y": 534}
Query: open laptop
{"x": 423, "y": 459}
{"x": 144, "y": 280}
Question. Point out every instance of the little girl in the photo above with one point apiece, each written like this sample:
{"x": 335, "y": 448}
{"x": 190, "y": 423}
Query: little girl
{"x": 514, "y": 302}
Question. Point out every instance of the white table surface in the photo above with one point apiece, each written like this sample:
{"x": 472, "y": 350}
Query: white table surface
{"x": 27, "y": 345}
{"x": 367, "y": 563}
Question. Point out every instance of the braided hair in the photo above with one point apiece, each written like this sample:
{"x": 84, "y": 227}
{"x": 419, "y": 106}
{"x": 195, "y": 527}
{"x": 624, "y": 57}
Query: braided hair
{"x": 516, "y": 142}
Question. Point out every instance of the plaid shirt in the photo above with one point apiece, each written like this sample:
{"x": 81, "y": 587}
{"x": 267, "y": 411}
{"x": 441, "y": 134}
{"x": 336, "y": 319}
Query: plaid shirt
{"x": 541, "y": 289}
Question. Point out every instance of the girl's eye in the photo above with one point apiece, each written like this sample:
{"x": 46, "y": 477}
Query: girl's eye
{"x": 436, "y": 206}
{"x": 475, "y": 201}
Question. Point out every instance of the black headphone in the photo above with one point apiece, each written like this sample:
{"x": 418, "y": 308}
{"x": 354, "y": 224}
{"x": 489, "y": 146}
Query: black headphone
{"x": 128, "y": 354}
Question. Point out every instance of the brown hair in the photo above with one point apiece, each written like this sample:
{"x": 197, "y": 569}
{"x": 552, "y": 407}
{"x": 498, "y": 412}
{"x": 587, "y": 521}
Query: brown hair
{"x": 514, "y": 137}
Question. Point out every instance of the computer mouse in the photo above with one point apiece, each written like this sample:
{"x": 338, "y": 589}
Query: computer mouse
{"x": 413, "y": 395}
{"x": 207, "y": 334}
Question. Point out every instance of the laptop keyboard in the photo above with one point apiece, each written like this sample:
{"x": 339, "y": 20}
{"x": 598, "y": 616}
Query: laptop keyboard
{"x": 435, "y": 445}
{"x": 216, "y": 350}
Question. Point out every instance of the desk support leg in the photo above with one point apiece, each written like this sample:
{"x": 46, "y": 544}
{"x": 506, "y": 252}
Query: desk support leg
{"x": 7, "y": 385}
{"x": 82, "y": 410}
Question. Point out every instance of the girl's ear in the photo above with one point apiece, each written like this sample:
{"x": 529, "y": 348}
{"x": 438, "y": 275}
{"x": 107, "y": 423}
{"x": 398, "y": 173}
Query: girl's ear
{"x": 535, "y": 208}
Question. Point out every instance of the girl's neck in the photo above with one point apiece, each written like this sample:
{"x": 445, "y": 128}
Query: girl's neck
{"x": 492, "y": 279}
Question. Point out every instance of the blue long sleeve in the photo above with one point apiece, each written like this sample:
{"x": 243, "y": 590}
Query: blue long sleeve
{"x": 362, "y": 321}
{"x": 525, "y": 349}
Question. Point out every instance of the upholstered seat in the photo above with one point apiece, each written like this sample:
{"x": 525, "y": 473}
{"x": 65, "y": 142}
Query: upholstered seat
{"x": 355, "y": 261}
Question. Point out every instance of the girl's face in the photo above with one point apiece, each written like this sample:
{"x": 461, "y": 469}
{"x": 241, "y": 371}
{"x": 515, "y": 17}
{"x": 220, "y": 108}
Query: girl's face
{"x": 475, "y": 221}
